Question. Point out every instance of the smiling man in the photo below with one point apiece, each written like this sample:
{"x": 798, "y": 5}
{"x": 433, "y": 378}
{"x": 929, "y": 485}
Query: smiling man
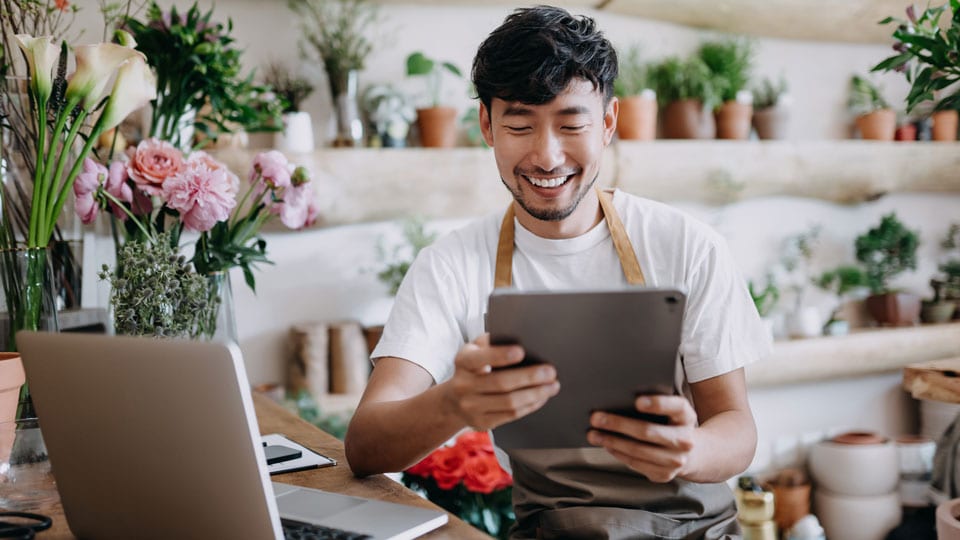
{"x": 545, "y": 83}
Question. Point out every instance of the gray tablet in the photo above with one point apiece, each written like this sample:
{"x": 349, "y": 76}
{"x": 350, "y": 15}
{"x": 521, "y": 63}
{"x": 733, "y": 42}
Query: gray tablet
{"x": 608, "y": 346}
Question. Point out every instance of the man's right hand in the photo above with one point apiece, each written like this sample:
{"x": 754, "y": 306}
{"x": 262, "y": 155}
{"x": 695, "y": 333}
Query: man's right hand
{"x": 485, "y": 397}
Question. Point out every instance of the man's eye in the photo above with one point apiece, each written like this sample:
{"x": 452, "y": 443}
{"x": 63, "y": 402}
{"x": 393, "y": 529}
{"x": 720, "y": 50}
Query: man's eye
{"x": 574, "y": 128}
{"x": 517, "y": 129}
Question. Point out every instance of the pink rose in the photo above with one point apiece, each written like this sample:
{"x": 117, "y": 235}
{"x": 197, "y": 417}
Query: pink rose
{"x": 271, "y": 169}
{"x": 201, "y": 195}
{"x": 85, "y": 188}
{"x": 152, "y": 163}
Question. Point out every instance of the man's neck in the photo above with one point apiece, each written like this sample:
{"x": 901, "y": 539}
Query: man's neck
{"x": 585, "y": 217}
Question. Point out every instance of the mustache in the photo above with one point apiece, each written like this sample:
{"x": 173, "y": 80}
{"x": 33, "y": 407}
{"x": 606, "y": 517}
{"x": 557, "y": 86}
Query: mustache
{"x": 552, "y": 173}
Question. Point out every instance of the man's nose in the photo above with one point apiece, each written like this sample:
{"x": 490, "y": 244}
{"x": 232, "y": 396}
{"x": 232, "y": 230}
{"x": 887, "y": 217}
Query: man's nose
{"x": 547, "y": 152}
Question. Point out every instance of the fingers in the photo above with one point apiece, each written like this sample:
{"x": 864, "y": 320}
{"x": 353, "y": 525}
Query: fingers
{"x": 538, "y": 398}
{"x": 514, "y": 379}
{"x": 678, "y": 435}
{"x": 677, "y": 408}
{"x": 481, "y": 357}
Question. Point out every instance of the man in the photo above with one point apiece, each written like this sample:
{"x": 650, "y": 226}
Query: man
{"x": 545, "y": 81}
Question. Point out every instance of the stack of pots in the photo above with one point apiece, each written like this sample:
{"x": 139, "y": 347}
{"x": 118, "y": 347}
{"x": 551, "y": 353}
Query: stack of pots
{"x": 856, "y": 475}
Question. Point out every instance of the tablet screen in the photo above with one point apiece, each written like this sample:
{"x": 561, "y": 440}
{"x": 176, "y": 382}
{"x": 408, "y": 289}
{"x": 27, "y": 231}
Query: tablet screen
{"x": 608, "y": 346}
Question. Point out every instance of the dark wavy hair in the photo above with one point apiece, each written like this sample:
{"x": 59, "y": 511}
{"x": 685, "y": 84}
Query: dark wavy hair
{"x": 537, "y": 51}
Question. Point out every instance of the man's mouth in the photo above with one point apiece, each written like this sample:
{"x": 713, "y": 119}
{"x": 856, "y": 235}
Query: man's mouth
{"x": 553, "y": 182}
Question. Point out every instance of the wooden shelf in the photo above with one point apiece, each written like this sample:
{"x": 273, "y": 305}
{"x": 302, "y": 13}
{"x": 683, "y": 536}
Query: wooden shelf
{"x": 861, "y": 353}
{"x": 364, "y": 185}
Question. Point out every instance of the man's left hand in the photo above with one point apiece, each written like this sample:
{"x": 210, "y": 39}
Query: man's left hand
{"x": 658, "y": 451}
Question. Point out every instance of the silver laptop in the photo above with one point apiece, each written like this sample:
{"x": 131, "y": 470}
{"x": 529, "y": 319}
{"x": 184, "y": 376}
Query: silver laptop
{"x": 158, "y": 439}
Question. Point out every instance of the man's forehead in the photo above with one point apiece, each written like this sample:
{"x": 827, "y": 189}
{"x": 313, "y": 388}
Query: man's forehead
{"x": 579, "y": 97}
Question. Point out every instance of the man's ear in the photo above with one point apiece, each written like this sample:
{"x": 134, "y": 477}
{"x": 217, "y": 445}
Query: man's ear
{"x": 610, "y": 120}
{"x": 485, "y": 128}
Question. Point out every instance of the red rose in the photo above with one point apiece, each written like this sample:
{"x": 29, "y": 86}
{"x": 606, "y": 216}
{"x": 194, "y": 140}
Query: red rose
{"x": 448, "y": 466}
{"x": 423, "y": 468}
{"x": 476, "y": 442}
{"x": 483, "y": 474}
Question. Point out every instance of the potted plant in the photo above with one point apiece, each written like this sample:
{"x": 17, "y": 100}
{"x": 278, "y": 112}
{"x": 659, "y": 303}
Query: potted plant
{"x": 438, "y": 125}
{"x": 771, "y": 109}
{"x": 765, "y": 300}
{"x": 390, "y": 113}
{"x": 638, "y": 101}
{"x": 802, "y": 321}
{"x": 950, "y": 267}
{"x": 336, "y": 32}
{"x": 886, "y": 251}
{"x": 937, "y": 309}
{"x": 840, "y": 281}
{"x": 874, "y": 117}
{"x": 297, "y": 133}
{"x": 926, "y": 53}
{"x": 730, "y": 62}
{"x": 685, "y": 89}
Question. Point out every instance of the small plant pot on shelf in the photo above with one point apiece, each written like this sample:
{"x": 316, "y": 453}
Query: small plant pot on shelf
{"x": 771, "y": 123}
{"x": 937, "y": 312}
{"x": 297, "y": 133}
{"x": 804, "y": 323}
{"x": 686, "y": 119}
{"x": 733, "y": 120}
{"x": 944, "y": 125}
{"x": 894, "y": 309}
{"x": 878, "y": 125}
{"x": 638, "y": 117}
{"x": 438, "y": 127}
{"x": 836, "y": 327}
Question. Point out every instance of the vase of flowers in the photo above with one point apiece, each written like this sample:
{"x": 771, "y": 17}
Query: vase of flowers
{"x": 157, "y": 194}
{"x": 466, "y": 480}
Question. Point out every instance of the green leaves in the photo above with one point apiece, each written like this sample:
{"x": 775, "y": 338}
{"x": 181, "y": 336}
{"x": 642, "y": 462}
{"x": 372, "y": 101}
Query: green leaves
{"x": 420, "y": 64}
{"x": 886, "y": 251}
{"x": 730, "y": 62}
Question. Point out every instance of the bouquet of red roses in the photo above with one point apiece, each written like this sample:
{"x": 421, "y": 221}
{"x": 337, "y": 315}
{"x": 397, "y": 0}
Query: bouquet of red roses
{"x": 466, "y": 480}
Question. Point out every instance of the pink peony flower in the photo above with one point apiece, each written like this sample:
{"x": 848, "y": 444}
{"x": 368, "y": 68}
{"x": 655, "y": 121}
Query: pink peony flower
{"x": 119, "y": 188}
{"x": 297, "y": 207}
{"x": 85, "y": 188}
{"x": 203, "y": 196}
{"x": 152, "y": 163}
{"x": 215, "y": 165}
{"x": 271, "y": 170}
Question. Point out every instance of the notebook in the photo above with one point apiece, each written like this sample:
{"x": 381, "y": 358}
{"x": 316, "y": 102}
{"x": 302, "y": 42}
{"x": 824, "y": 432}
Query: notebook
{"x": 158, "y": 439}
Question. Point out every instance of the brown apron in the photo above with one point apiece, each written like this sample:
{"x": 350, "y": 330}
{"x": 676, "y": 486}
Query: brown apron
{"x": 585, "y": 492}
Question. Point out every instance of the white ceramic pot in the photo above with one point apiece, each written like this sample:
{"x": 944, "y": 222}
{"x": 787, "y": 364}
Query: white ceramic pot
{"x": 297, "y": 133}
{"x": 804, "y": 323}
{"x": 857, "y": 518}
{"x": 855, "y": 469}
{"x": 916, "y": 466}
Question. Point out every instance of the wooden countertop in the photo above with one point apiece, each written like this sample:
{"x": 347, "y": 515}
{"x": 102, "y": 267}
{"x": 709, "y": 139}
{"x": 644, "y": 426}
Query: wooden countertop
{"x": 272, "y": 418}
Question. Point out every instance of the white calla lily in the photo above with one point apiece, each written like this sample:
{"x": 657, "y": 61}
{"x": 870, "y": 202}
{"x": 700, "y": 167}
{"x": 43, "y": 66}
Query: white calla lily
{"x": 95, "y": 65}
{"x": 41, "y": 56}
{"x": 125, "y": 38}
{"x": 134, "y": 87}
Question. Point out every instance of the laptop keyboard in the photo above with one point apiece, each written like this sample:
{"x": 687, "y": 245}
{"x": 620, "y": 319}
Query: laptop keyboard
{"x": 298, "y": 530}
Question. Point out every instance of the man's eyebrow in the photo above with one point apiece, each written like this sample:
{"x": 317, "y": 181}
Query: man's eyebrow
{"x": 522, "y": 110}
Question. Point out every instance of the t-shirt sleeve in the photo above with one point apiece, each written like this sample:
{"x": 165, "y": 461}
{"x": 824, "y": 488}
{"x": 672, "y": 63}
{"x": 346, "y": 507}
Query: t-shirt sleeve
{"x": 722, "y": 331}
{"x": 423, "y": 327}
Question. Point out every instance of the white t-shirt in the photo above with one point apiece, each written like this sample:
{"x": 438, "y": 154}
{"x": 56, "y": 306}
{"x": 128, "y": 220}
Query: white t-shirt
{"x": 441, "y": 304}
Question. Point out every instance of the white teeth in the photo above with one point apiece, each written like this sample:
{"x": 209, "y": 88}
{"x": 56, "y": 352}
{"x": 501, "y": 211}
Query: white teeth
{"x": 548, "y": 182}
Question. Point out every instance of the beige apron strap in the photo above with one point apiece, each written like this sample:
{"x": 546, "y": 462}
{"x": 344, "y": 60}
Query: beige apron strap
{"x": 628, "y": 258}
{"x": 503, "y": 272}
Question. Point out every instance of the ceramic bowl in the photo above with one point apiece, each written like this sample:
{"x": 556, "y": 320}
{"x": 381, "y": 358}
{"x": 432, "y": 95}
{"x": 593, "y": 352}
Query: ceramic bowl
{"x": 948, "y": 526}
{"x": 857, "y": 518}
{"x": 855, "y": 464}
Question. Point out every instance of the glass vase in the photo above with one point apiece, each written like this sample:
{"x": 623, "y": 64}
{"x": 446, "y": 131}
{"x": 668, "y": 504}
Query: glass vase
{"x": 222, "y": 324}
{"x": 343, "y": 89}
{"x": 29, "y": 303}
{"x": 26, "y": 480}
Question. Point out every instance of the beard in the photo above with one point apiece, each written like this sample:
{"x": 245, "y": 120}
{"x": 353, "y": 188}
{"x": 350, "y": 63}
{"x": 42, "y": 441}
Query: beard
{"x": 549, "y": 214}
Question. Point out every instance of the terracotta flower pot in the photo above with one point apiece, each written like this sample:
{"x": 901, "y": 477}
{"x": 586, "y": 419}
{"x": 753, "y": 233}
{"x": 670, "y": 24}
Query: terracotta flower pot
{"x": 878, "y": 125}
{"x": 945, "y": 125}
{"x": 438, "y": 127}
{"x": 686, "y": 119}
{"x": 894, "y": 309}
{"x": 771, "y": 123}
{"x": 638, "y": 118}
{"x": 733, "y": 120}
